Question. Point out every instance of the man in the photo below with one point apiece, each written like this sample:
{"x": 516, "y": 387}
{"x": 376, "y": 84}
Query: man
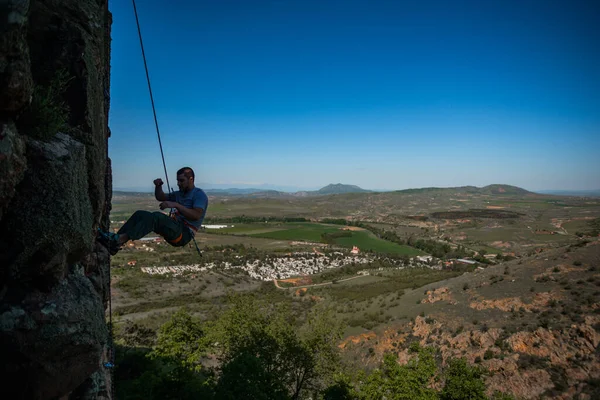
{"x": 190, "y": 204}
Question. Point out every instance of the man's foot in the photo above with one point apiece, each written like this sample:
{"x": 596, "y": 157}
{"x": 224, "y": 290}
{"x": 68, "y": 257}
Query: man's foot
{"x": 109, "y": 240}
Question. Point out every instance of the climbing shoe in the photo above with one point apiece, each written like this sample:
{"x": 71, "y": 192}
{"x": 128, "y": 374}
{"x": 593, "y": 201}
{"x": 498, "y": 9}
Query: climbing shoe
{"x": 109, "y": 240}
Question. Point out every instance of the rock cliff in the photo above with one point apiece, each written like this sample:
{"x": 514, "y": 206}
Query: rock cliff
{"x": 55, "y": 190}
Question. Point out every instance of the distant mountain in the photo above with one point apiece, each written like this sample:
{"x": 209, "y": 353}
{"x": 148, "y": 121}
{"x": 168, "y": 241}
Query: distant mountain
{"x": 235, "y": 191}
{"x": 131, "y": 193}
{"x": 495, "y": 189}
{"x": 339, "y": 188}
{"x": 270, "y": 194}
{"x": 258, "y": 187}
{"x": 578, "y": 193}
{"x": 463, "y": 189}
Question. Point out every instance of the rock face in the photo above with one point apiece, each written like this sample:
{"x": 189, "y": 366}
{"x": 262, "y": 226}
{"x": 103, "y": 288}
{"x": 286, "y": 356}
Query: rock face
{"x": 55, "y": 190}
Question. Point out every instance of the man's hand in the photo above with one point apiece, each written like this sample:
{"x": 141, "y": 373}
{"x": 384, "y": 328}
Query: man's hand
{"x": 168, "y": 204}
{"x": 158, "y": 182}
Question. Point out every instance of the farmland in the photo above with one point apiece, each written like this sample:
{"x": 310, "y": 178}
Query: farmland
{"x": 313, "y": 232}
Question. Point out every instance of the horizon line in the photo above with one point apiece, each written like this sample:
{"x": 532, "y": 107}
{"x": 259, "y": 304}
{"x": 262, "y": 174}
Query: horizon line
{"x": 208, "y": 186}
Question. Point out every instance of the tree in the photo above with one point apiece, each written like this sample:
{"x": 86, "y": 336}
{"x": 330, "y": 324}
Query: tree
{"x": 341, "y": 389}
{"x": 171, "y": 370}
{"x": 247, "y": 375}
{"x": 394, "y": 381}
{"x": 181, "y": 339}
{"x": 463, "y": 382}
{"x": 264, "y": 353}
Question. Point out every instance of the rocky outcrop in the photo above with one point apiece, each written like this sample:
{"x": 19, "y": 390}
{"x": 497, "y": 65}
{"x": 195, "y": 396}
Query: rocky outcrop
{"x": 515, "y": 303}
{"x": 54, "y": 192}
{"x": 440, "y": 294}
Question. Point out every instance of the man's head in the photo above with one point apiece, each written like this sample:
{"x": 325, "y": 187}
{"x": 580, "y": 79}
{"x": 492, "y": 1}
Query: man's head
{"x": 185, "y": 179}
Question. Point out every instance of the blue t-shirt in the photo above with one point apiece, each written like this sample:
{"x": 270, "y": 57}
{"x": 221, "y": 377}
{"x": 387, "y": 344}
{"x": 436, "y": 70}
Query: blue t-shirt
{"x": 195, "y": 198}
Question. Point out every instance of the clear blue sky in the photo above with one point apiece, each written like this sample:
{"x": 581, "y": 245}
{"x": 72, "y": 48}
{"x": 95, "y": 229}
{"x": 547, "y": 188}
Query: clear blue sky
{"x": 380, "y": 94}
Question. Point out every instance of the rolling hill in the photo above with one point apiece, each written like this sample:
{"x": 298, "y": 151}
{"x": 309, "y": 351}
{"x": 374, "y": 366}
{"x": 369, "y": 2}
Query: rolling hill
{"x": 340, "y": 188}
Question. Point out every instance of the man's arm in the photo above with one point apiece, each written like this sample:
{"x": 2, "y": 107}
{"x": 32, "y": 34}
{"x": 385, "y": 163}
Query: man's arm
{"x": 158, "y": 192}
{"x": 193, "y": 214}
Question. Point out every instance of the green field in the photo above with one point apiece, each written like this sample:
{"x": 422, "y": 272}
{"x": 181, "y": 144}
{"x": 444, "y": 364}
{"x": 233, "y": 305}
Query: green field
{"x": 311, "y": 232}
{"x": 301, "y": 231}
{"x": 281, "y": 231}
{"x": 365, "y": 240}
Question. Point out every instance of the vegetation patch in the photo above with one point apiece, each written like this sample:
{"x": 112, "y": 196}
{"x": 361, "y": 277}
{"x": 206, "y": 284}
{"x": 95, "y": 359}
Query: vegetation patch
{"x": 48, "y": 113}
{"x": 477, "y": 213}
{"x": 309, "y": 232}
{"x": 396, "y": 281}
{"x": 266, "y": 352}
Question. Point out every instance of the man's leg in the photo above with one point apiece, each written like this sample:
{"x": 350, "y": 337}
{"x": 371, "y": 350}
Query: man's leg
{"x": 142, "y": 223}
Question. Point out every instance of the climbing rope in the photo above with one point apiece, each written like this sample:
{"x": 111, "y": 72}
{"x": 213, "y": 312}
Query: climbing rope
{"x": 197, "y": 248}
{"x": 110, "y": 362}
{"x": 137, "y": 21}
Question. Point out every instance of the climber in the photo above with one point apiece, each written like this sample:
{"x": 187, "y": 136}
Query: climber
{"x": 189, "y": 205}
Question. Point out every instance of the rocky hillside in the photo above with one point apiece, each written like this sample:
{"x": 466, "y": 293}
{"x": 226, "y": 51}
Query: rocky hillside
{"x": 54, "y": 192}
{"x": 533, "y": 323}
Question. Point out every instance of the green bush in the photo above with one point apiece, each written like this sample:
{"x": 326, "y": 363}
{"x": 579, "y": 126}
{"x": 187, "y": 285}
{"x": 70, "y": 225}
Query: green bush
{"x": 395, "y": 381}
{"x": 463, "y": 381}
{"x": 48, "y": 113}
